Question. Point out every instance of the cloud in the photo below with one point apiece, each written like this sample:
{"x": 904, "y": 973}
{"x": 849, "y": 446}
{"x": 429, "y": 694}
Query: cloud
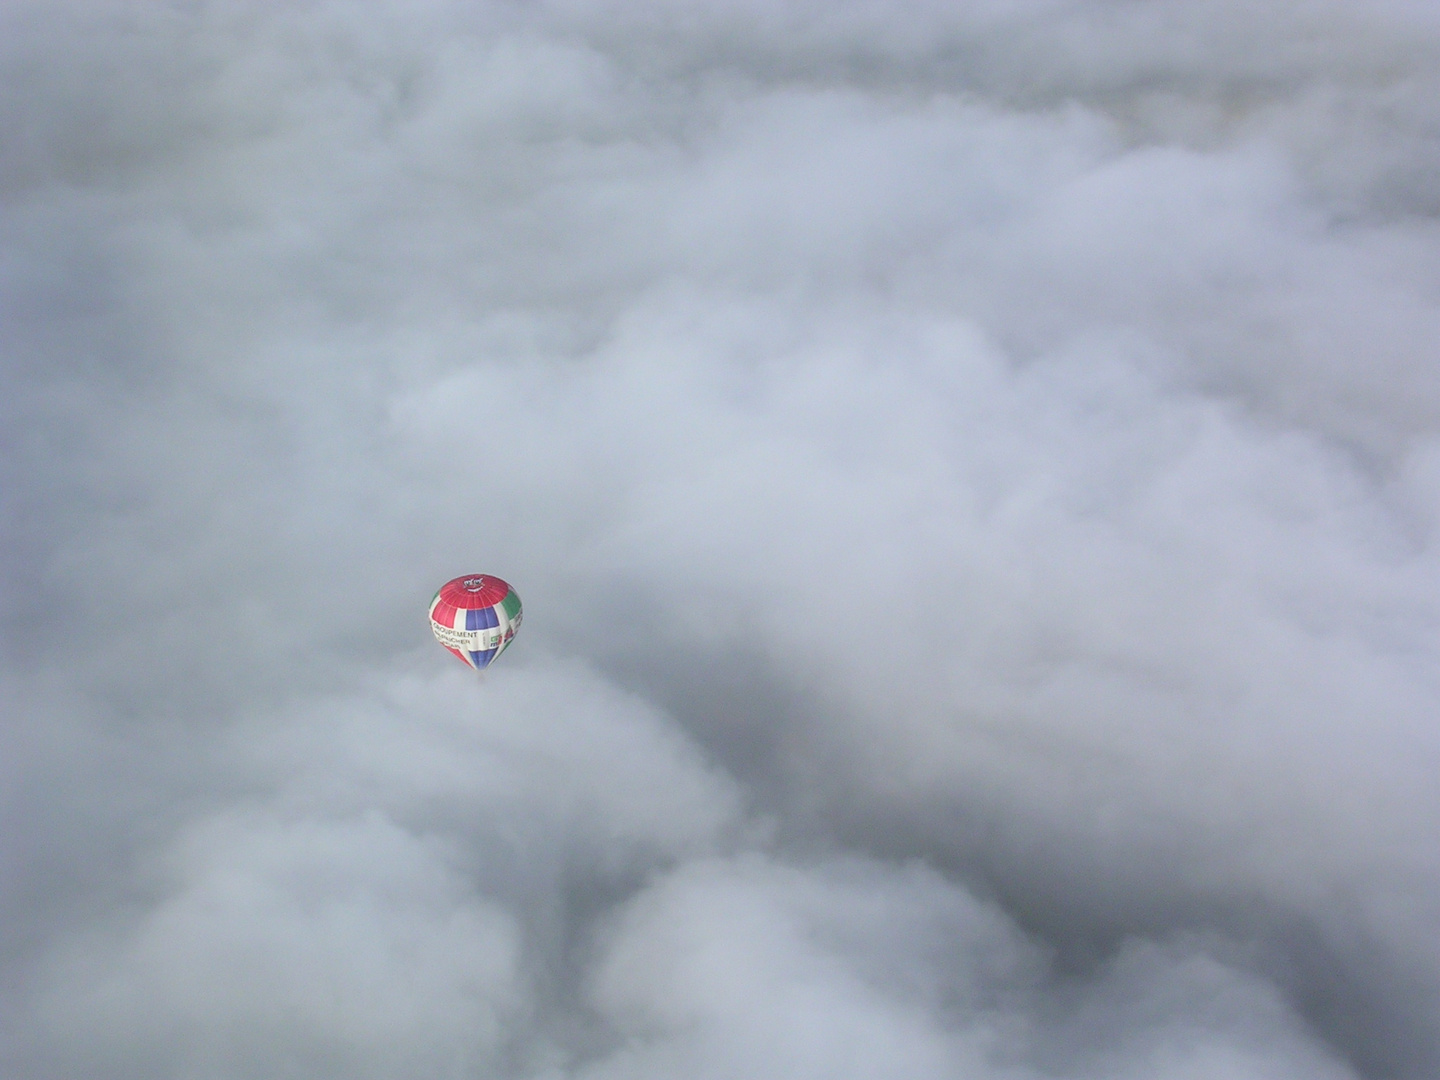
{"x": 849, "y": 969}
{"x": 971, "y": 476}
{"x": 362, "y": 907}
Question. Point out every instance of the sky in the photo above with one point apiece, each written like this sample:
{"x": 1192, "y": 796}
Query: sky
{"x": 973, "y": 476}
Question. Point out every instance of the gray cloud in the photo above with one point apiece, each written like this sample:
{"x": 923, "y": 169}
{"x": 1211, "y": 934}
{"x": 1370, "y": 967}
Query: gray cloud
{"x": 971, "y": 475}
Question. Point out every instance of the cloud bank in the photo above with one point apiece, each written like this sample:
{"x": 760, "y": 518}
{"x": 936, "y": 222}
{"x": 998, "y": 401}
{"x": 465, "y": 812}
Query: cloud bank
{"x": 972, "y": 475}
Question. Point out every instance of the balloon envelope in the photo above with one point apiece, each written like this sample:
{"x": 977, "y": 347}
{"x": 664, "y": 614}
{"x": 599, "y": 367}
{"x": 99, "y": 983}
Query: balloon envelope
{"x": 475, "y": 617}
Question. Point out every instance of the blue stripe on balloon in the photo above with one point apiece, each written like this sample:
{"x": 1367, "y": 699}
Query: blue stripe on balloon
{"x": 480, "y": 618}
{"x": 482, "y": 659}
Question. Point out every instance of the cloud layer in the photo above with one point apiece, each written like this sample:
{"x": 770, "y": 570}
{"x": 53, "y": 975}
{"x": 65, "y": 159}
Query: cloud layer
{"x": 972, "y": 476}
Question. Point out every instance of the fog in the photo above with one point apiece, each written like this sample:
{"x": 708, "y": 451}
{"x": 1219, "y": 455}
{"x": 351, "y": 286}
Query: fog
{"x": 973, "y": 475}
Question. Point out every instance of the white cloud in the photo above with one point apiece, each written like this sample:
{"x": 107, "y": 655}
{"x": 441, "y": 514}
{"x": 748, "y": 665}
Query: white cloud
{"x": 944, "y": 452}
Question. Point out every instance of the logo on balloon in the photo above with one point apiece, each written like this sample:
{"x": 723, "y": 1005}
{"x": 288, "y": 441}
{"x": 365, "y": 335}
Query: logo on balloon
{"x": 474, "y": 584}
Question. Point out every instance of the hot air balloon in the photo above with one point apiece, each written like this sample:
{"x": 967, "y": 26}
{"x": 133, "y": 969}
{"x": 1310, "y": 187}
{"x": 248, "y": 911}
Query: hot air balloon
{"x": 475, "y": 617}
